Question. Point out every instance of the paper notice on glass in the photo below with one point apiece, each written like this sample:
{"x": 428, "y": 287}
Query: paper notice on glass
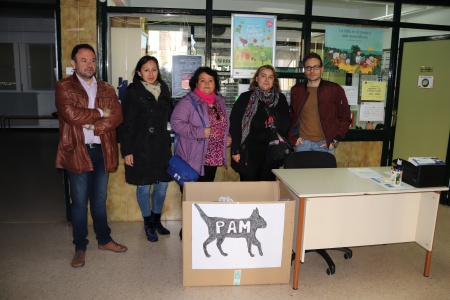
{"x": 371, "y": 111}
{"x": 351, "y": 92}
{"x": 373, "y": 91}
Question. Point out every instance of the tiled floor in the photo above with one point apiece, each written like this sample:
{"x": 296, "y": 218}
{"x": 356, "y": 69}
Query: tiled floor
{"x": 36, "y": 249}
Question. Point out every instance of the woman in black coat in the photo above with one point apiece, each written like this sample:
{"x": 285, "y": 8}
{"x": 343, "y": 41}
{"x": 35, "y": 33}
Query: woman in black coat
{"x": 252, "y": 118}
{"x": 145, "y": 142}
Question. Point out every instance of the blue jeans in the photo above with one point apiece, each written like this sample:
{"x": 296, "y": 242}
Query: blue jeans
{"x": 89, "y": 185}
{"x": 313, "y": 146}
{"x": 158, "y": 197}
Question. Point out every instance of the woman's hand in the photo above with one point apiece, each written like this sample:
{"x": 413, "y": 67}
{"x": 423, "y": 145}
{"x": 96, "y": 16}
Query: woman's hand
{"x": 129, "y": 161}
{"x": 236, "y": 157}
{"x": 229, "y": 141}
{"x": 207, "y": 132}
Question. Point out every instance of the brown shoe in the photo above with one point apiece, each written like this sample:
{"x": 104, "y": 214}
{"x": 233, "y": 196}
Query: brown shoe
{"x": 113, "y": 246}
{"x": 78, "y": 258}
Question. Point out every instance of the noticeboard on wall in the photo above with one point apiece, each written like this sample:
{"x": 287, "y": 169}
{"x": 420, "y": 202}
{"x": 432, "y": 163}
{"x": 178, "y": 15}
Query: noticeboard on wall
{"x": 183, "y": 67}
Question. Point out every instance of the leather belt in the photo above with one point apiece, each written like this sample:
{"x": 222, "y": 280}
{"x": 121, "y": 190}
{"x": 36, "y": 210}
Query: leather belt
{"x": 92, "y": 146}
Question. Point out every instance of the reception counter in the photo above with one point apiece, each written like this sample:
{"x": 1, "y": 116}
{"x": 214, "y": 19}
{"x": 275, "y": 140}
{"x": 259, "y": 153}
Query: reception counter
{"x": 122, "y": 204}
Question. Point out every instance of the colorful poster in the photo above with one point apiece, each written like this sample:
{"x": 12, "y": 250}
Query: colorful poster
{"x": 353, "y": 50}
{"x": 253, "y": 43}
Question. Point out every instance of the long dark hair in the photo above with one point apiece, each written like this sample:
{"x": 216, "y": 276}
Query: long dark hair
{"x": 194, "y": 79}
{"x": 142, "y": 61}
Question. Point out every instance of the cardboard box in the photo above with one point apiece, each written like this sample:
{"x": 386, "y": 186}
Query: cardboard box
{"x": 424, "y": 175}
{"x": 247, "y": 241}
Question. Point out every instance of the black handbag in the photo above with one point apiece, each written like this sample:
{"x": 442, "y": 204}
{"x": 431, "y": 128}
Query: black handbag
{"x": 279, "y": 148}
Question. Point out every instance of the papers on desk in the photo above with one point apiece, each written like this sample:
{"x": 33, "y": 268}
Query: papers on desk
{"x": 379, "y": 179}
{"x": 387, "y": 183}
{"x": 365, "y": 172}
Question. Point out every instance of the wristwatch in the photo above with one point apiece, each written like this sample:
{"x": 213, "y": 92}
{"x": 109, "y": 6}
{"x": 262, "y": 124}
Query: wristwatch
{"x": 335, "y": 143}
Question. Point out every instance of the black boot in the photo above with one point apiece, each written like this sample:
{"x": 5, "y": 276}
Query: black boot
{"x": 150, "y": 229}
{"x": 157, "y": 219}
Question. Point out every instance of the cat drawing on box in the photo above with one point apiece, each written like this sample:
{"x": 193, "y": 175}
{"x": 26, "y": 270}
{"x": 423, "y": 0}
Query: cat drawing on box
{"x": 221, "y": 228}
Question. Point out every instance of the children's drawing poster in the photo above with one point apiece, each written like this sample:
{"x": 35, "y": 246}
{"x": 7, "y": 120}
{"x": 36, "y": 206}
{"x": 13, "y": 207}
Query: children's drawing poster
{"x": 353, "y": 50}
{"x": 253, "y": 40}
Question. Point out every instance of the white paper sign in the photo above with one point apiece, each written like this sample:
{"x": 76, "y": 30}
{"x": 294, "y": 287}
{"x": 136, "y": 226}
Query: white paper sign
{"x": 351, "y": 92}
{"x": 235, "y": 225}
{"x": 69, "y": 70}
{"x": 425, "y": 82}
{"x": 371, "y": 111}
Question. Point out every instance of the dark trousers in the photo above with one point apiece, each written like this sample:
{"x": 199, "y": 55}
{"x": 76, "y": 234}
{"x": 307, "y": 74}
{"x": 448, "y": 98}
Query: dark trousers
{"x": 256, "y": 172}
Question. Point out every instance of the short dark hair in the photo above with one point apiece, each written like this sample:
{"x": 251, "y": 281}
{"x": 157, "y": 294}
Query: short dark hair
{"x": 81, "y": 46}
{"x": 194, "y": 79}
{"x": 312, "y": 55}
{"x": 142, "y": 61}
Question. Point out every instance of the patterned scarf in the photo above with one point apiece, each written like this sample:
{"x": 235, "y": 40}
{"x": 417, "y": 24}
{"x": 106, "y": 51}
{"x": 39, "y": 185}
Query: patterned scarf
{"x": 154, "y": 89}
{"x": 268, "y": 98}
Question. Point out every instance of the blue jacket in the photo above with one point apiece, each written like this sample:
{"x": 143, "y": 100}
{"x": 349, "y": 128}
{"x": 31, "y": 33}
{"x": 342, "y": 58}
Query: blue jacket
{"x": 186, "y": 123}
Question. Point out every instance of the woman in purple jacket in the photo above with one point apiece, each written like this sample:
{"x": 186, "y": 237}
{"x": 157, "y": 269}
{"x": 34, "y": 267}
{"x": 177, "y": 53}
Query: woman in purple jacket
{"x": 203, "y": 147}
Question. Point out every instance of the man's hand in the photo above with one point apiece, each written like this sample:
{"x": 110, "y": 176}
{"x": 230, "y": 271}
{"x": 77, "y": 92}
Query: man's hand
{"x": 106, "y": 112}
{"x": 236, "y": 157}
{"x": 89, "y": 126}
{"x": 299, "y": 142}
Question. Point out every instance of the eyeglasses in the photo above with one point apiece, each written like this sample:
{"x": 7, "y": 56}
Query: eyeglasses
{"x": 315, "y": 68}
{"x": 215, "y": 111}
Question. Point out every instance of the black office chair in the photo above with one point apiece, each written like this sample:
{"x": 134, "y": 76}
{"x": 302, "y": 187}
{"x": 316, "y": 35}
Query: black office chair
{"x": 316, "y": 159}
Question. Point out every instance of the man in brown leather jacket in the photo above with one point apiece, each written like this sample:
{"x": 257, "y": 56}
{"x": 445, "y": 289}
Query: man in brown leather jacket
{"x": 88, "y": 112}
{"x": 319, "y": 110}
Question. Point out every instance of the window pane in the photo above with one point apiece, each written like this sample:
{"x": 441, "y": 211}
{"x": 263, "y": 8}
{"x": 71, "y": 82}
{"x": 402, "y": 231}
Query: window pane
{"x": 221, "y": 44}
{"x": 7, "y": 72}
{"x": 288, "y": 46}
{"x": 196, "y": 4}
{"x": 340, "y": 77}
{"x": 167, "y": 36}
{"x": 425, "y": 14}
{"x": 271, "y": 7}
{"x": 408, "y": 32}
{"x": 357, "y": 10}
{"x": 42, "y": 64}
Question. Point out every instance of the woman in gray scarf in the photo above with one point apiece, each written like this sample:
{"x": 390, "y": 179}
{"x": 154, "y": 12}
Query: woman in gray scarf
{"x": 252, "y": 118}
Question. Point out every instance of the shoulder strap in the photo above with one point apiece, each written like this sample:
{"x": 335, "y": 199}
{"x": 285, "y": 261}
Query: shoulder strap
{"x": 196, "y": 108}
{"x": 203, "y": 122}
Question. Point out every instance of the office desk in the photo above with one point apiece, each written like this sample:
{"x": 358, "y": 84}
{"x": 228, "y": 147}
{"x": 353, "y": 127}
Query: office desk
{"x": 337, "y": 208}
